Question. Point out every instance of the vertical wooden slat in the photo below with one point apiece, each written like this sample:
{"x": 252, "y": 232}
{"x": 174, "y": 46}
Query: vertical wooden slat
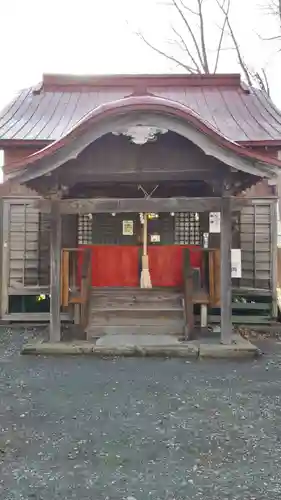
{"x": 24, "y": 243}
{"x": 204, "y": 307}
{"x": 226, "y": 288}
{"x": 217, "y": 271}
{"x": 211, "y": 277}
{"x": 274, "y": 257}
{"x": 55, "y": 273}
{"x": 255, "y": 246}
{"x": 279, "y": 267}
{"x": 188, "y": 295}
{"x": 215, "y": 277}
{"x": 65, "y": 277}
{"x": 86, "y": 287}
{"x": 5, "y": 275}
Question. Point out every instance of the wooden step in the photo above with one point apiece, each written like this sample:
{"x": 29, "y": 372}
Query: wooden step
{"x": 116, "y": 289}
{"x": 147, "y": 308}
{"x": 134, "y": 317}
{"x": 131, "y": 298}
{"x": 136, "y": 294}
{"x": 97, "y": 331}
{"x": 153, "y": 311}
{"x": 145, "y": 298}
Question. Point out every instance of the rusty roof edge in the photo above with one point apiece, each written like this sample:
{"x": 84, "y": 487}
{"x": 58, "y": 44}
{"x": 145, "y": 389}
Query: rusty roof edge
{"x": 115, "y": 80}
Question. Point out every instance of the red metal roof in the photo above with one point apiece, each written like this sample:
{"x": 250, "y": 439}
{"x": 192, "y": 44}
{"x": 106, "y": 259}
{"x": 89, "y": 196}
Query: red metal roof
{"x": 49, "y": 111}
{"x": 266, "y": 165}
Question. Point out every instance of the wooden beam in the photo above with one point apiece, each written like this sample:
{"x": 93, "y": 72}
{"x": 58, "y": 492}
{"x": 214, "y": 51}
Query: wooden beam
{"x": 70, "y": 178}
{"x": 226, "y": 288}
{"x": 123, "y": 205}
{"x": 55, "y": 271}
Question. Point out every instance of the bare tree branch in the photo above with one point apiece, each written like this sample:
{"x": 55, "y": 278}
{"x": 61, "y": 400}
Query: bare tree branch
{"x": 263, "y": 82}
{"x": 201, "y": 48}
{"x": 187, "y": 68}
{"x": 188, "y": 8}
{"x": 190, "y": 31}
{"x": 223, "y": 28}
{"x": 271, "y": 38}
{"x": 273, "y": 8}
{"x": 278, "y": 10}
{"x": 187, "y": 50}
{"x": 236, "y": 45}
{"x": 202, "y": 37}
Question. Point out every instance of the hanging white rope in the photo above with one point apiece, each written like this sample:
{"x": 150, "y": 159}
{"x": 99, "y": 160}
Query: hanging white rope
{"x": 145, "y": 278}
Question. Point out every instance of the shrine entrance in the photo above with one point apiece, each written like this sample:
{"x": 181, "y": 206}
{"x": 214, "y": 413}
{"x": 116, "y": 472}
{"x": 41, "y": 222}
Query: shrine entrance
{"x": 94, "y": 171}
{"x": 116, "y": 243}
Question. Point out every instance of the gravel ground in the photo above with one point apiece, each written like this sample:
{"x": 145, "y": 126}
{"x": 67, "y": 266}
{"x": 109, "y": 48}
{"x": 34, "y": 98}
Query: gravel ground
{"x": 138, "y": 428}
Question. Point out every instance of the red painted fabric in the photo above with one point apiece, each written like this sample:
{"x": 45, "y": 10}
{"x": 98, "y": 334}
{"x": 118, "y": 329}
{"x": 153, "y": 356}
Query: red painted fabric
{"x": 119, "y": 265}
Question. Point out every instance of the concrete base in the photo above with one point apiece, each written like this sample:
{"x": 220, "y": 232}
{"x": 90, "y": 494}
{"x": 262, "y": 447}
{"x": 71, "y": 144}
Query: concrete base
{"x": 130, "y": 340}
{"x": 109, "y": 346}
{"x": 240, "y": 350}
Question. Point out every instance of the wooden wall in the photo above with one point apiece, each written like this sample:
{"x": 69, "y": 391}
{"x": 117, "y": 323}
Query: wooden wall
{"x": 14, "y": 154}
{"x": 25, "y": 249}
{"x": 255, "y": 231}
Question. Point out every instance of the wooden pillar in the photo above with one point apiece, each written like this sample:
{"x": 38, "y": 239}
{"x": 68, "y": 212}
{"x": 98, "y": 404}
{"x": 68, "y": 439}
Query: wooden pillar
{"x": 226, "y": 287}
{"x": 204, "y": 307}
{"x": 55, "y": 272}
{"x": 274, "y": 257}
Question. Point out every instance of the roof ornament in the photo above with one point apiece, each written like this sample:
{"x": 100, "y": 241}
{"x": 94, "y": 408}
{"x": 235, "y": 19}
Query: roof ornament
{"x": 141, "y": 134}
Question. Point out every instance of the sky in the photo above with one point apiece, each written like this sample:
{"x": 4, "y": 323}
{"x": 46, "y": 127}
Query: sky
{"x": 98, "y": 36}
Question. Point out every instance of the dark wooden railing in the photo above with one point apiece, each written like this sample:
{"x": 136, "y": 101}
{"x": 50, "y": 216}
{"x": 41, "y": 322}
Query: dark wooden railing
{"x": 188, "y": 295}
{"x": 86, "y": 287}
{"x": 194, "y": 292}
{"x": 76, "y": 282}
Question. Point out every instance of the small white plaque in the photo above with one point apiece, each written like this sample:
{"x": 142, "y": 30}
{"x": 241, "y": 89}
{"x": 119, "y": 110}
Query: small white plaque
{"x": 236, "y": 263}
{"x": 214, "y": 222}
{"x": 155, "y": 238}
{"x": 128, "y": 227}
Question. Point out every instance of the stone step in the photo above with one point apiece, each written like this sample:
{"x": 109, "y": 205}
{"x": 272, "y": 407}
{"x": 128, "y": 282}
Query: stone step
{"x": 177, "y": 329}
{"x": 137, "y": 340}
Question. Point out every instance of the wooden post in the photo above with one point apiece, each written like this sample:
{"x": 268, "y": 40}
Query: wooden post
{"x": 55, "y": 270}
{"x": 204, "y": 307}
{"x": 145, "y": 280}
{"x": 274, "y": 257}
{"x": 188, "y": 296}
{"x": 226, "y": 287}
{"x": 5, "y": 257}
{"x": 144, "y": 234}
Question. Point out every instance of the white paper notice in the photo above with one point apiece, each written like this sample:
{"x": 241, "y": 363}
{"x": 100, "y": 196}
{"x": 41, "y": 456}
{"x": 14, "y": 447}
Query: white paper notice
{"x": 236, "y": 263}
{"x": 214, "y": 222}
{"x": 128, "y": 227}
